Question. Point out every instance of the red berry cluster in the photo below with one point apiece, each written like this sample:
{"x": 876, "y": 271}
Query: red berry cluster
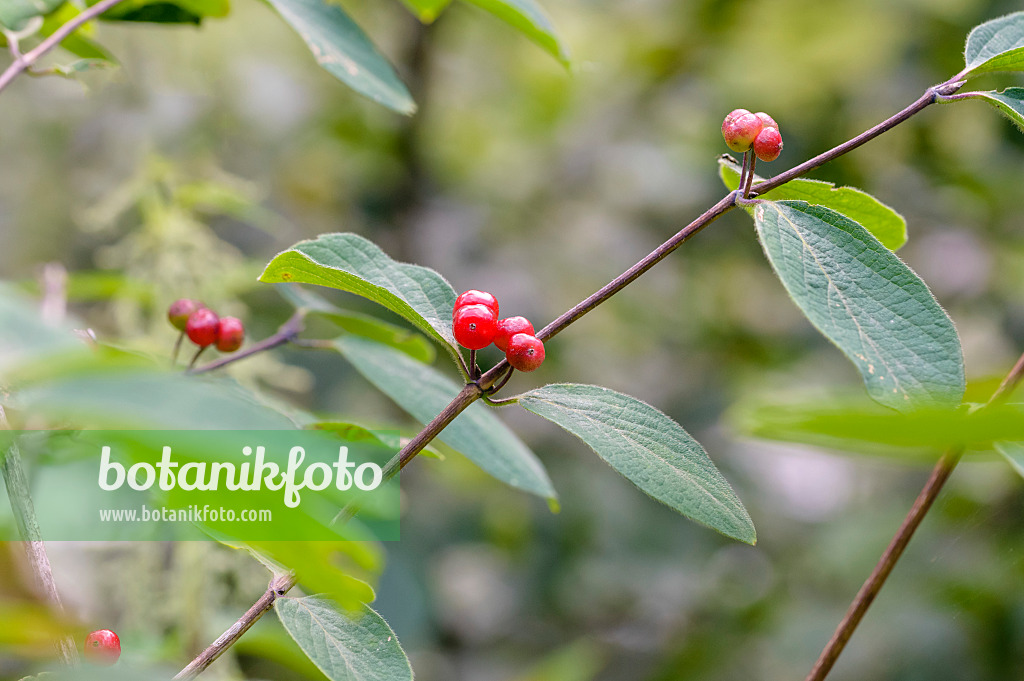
{"x": 203, "y": 327}
{"x": 477, "y": 325}
{"x": 102, "y": 647}
{"x": 742, "y": 129}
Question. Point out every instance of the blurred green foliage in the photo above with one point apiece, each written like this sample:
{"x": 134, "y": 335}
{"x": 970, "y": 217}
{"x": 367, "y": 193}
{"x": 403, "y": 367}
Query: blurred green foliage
{"x": 211, "y": 149}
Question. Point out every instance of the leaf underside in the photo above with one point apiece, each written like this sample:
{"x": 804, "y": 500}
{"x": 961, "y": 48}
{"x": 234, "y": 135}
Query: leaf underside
{"x": 996, "y": 45}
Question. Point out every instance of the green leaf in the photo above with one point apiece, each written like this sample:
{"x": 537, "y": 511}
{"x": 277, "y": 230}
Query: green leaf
{"x": 342, "y": 48}
{"x": 866, "y": 301}
{"x": 477, "y": 432}
{"x": 13, "y": 13}
{"x": 409, "y": 342}
{"x": 344, "y": 646}
{"x": 1010, "y": 101}
{"x": 349, "y": 262}
{"x": 996, "y": 45}
{"x": 166, "y": 11}
{"x": 337, "y": 568}
{"x": 1013, "y": 452}
{"x": 427, "y": 10}
{"x": 863, "y": 427}
{"x": 883, "y": 222}
{"x": 527, "y": 17}
{"x": 78, "y": 43}
{"x": 26, "y": 337}
{"x": 115, "y": 399}
{"x": 651, "y": 450}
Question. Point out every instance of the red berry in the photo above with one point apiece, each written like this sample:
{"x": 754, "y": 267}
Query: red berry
{"x": 768, "y": 144}
{"x": 230, "y": 334}
{"x": 102, "y": 647}
{"x": 202, "y": 327}
{"x": 525, "y": 352}
{"x": 739, "y": 131}
{"x": 474, "y": 297}
{"x": 475, "y": 326}
{"x": 766, "y": 120}
{"x": 732, "y": 114}
{"x": 180, "y": 310}
{"x": 510, "y": 327}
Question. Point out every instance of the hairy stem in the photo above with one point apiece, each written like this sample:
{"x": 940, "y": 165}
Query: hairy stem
{"x": 864, "y": 598}
{"x": 278, "y": 587}
{"x": 25, "y": 61}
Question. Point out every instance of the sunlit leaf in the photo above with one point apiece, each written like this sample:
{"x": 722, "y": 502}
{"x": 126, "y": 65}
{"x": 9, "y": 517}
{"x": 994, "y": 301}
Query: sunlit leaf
{"x": 529, "y": 18}
{"x": 427, "y": 10}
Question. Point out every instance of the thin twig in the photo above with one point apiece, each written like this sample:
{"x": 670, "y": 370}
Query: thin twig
{"x": 28, "y": 529}
{"x": 287, "y": 332}
{"x": 278, "y": 587}
{"x": 26, "y": 60}
{"x": 862, "y": 601}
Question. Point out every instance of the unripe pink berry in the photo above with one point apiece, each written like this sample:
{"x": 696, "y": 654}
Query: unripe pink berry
{"x": 740, "y": 131}
{"x": 180, "y": 310}
{"x": 768, "y": 144}
{"x": 732, "y": 115}
{"x": 766, "y": 120}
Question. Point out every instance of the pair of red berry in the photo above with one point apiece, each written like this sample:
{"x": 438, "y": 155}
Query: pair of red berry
{"x": 102, "y": 647}
{"x": 476, "y": 323}
{"x": 742, "y": 129}
{"x": 203, "y": 327}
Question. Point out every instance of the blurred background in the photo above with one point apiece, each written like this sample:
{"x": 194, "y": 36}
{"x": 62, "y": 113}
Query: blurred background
{"x": 211, "y": 149}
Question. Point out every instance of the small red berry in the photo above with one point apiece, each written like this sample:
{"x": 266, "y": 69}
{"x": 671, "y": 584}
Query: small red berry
{"x": 766, "y": 120}
{"x": 732, "y": 114}
{"x": 475, "y": 326}
{"x": 739, "y": 131}
{"x": 525, "y": 352}
{"x": 202, "y": 327}
{"x": 230, "y": 334}
{"x": 768, "y": 144}
{"x": 102, "y": 647}
{"x": 180, "y": 310}
{"x": 474, "y": 297}
{"x": 510, "y": 327}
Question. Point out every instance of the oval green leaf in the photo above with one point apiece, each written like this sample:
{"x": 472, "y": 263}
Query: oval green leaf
{"x": 356, "y": 646}
{"x": 996, "y": 45}
{"x": 651, "y": 450}
{"x": 349, "y": 262}
{"x": 529, "y": 18}
{"x": 342, "y": 48}
{"x": 1010, "y": 102}
{"x": 866, "y": 301}
{"x": 477, "y": 433}
{"x": 883, "y": 222}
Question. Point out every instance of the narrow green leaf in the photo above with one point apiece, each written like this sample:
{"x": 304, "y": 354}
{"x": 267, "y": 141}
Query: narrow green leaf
{"x": 996, "y": 45}
{"x": 427, "y": 10}
{"x": 1010, "y": 101}
{"x": 78, "y": 43}
{"x": 344, "y": 646}
{"x": 349, "y": 262}
{"x": 477, "y": 432}
{"x": 13, "y": 13}
{"x": 1013, "y": 452}
{"x": 883, "y": 222}
{"x": 529, "y": 18}
{"x": 866, "y": 301}
{"x": 863, "y": 427}
{"x": 166, "y": 11}
{"x": 409, "y": 342}
{"x": 342, "y": 48}
{"x": 651, "y": 450}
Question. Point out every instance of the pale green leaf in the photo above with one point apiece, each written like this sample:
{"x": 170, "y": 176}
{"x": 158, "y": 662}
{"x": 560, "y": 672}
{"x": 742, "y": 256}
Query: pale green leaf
{"x": 866, "y": 301}
{"x": 13, "y": 13}
{"x": 883, "y": 222}
{"x": 349, "y": 262}
{"x": 996, "y": 45}
{"x": 341, "y": 47}
{"x": 1010, "y": 101}
{"x": 1013, "y": 452}
{"x": 529, "y": 18}
{"x": 344, "y": 646}
{"x": 650, "y": 449}
{"x": 477, "y": 432}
